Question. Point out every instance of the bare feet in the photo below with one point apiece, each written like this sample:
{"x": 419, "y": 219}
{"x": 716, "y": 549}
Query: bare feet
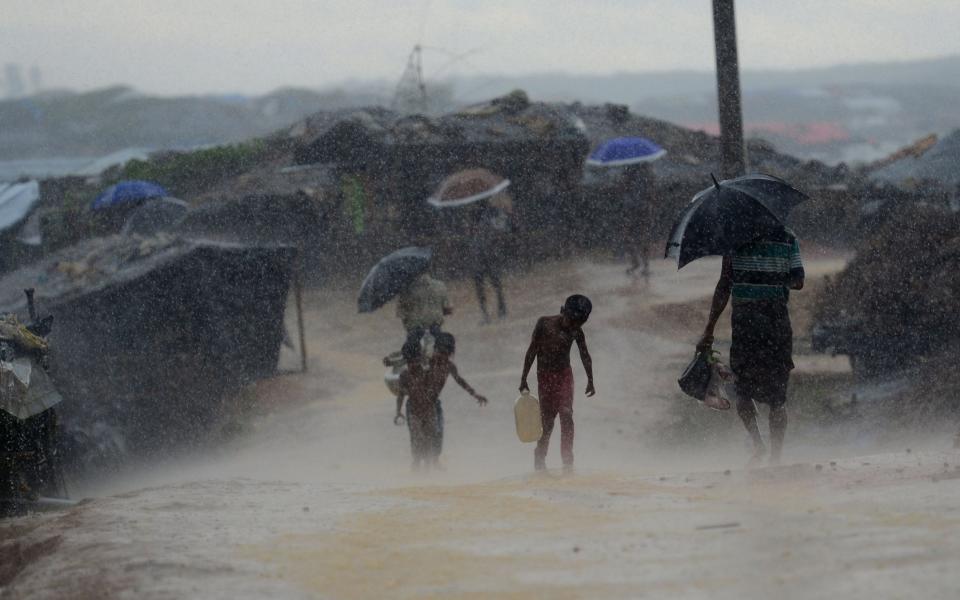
{"x": 758, "y": 455}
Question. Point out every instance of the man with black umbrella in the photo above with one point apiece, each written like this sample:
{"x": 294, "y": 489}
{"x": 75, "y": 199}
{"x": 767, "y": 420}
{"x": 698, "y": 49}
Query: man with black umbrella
{"x": 759, "y": 277}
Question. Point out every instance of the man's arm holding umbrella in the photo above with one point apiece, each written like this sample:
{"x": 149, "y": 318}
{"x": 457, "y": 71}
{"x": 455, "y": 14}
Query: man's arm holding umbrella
{"x": 796, "y": 266}
{"x": 398, "y": 419}
{"x": 721, "y": 295}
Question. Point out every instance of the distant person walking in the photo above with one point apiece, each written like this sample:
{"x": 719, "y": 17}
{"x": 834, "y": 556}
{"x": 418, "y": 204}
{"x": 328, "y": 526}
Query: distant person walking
{"x": 637, "y": 188}
{"x": 550, "y": 346}
{"x": 759, "y": 277}
{"x": 487, "y": 225}
{"x": 422, "y": 306}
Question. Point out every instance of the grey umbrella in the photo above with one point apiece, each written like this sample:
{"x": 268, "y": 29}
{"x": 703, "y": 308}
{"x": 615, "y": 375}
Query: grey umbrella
{"x": 391, "y": 275}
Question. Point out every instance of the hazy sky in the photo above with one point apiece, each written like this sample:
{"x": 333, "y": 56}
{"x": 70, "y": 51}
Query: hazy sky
{"x": 192, "y": 46}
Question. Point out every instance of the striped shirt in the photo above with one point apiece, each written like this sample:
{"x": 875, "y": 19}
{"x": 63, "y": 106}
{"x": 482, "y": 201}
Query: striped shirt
{"x": 762, "y": 270}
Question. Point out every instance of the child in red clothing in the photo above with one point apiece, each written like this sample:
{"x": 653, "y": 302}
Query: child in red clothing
{"x": 550, "y": 346}
{"x": 423, "y": 418}
{"x": 422, "y": 386}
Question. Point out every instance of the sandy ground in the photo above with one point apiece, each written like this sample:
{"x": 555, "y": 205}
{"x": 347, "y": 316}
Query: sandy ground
{"x": 313, "y": 496}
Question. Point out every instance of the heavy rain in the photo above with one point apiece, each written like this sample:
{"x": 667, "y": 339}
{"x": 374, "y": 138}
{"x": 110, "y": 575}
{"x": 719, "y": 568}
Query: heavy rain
{"x": 479, "y": 300}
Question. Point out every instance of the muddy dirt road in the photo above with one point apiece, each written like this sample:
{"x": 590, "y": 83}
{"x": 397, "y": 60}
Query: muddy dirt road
{"x": 313, "y": 496}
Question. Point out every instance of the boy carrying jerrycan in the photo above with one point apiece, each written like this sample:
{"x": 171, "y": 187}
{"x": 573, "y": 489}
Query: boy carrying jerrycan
{"x": 550, "y": 345}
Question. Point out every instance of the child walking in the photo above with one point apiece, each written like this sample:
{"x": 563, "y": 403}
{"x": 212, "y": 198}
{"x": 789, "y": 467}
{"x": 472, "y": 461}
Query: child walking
{"x": 422, "y": 417}
{"x": 422, "y": 389}
{"x": 550, "y": 345}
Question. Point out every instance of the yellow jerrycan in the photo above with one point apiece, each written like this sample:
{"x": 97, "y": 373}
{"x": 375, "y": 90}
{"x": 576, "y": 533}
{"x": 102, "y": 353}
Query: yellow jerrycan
{"x": 526, "y": 410}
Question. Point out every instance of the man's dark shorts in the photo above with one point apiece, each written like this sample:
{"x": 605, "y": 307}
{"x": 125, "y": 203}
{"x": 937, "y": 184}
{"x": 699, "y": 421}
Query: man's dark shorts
{"x": 761, "y": 351}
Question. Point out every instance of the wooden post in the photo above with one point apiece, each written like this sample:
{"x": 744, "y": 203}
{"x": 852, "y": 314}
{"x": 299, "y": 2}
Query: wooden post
{"x": 298, "y": 302}
{"x": 733, "y": 160}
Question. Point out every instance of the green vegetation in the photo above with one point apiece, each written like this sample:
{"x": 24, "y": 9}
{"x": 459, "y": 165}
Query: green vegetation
{"x": 184, "y": 173}
{"x": 71, "y": 220}
{"x": 66, "y": 217}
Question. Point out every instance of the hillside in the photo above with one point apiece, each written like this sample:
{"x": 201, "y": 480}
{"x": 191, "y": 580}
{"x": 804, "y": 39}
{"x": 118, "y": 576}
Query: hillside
{"x": 850, "y": 113}
{"x": 103, "y": 121}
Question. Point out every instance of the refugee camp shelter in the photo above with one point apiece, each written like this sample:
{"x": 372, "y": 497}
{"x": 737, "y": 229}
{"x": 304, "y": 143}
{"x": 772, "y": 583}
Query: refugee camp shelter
{"x": 152, "y": 334}
{"x": 397, "y": 161}
{"x": 17, "y": 202}
{"x": 931, "y": 160}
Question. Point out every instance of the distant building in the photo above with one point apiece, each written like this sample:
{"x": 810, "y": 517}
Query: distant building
{"x": 36, "y": 80}
{"x": 13, "y": 80}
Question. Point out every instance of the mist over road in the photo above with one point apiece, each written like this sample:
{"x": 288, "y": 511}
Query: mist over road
{"x": 313, "y": 496}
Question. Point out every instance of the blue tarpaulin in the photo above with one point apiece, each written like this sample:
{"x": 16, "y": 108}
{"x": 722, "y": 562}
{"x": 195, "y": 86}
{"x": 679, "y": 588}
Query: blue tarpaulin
{"x": 618, "y": 152}
{"x": 127, "y": 191}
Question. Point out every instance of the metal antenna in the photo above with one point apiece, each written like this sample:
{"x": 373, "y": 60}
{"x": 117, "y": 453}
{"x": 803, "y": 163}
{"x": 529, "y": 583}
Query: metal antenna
{"x": 410, "y": 94}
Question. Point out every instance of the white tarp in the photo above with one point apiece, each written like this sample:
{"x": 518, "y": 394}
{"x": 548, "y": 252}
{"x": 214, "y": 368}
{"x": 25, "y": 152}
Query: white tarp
{"x": 25, "y": 390}
{"x": 16, "y": 202}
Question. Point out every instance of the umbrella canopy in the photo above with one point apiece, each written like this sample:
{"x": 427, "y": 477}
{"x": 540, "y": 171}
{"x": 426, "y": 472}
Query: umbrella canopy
{"x": 127, "y": 191}
{"x": 25, "y": 391}
{"x": 466, "y": 187}
{"x": 156, "y": 216}
{"x": 729, "y": 214}
{"x": 623, "y": 151}
{"x": 391, "y": 276}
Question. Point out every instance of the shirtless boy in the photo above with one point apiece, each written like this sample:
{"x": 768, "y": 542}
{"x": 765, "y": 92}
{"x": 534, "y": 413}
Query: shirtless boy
{"x": 422, "y": 388}
{"x": 550, "y": 346}
{"x": 440, "y": 367}
{"x": 422, "y": 417}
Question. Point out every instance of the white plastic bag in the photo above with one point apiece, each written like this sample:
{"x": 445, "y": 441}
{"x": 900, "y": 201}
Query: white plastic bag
{"x": 720, "y": 390}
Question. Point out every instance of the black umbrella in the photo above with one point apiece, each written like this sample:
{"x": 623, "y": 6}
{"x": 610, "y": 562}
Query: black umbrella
{"x": 391, "y": 276}
{"x": 729, "y": 214}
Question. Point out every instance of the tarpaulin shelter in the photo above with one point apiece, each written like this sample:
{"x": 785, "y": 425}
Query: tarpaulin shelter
{"x": 931, "y": 162}
{"x": 19, "y": 204}
{"x": 16, "y": 202}
{"x": 162, "y": 214}
{"x": 539, "y": 147}
{"x": 151, "y": 334}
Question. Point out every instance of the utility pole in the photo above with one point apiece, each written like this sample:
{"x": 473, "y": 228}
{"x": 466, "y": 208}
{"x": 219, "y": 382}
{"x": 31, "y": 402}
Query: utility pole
{"x": 733, "y": 159}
